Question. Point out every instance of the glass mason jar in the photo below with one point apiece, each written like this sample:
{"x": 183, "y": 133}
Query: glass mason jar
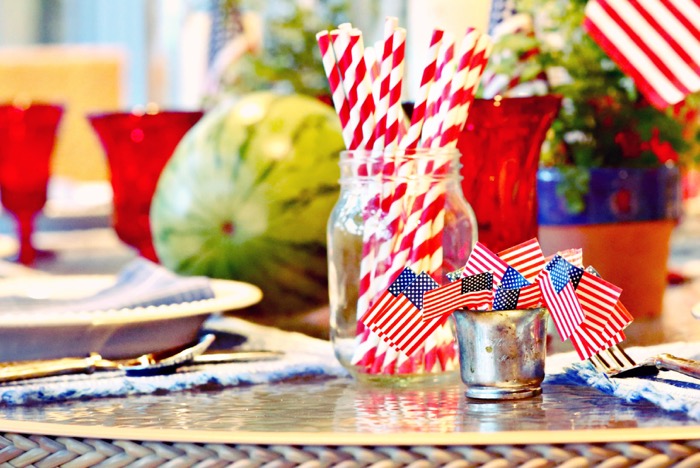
{"x": 395, "y": 210}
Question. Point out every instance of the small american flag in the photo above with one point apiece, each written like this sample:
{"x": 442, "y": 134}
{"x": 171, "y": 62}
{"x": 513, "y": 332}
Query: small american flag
{"x": 474, "y": 292}
{"x": 583, "y": 342}
{"x": 530, "y": 297}
{"x": 481, "y": 260}
{"x": 598, "y": 299}
{"x": 656, "y": 43}
{"x": 506, "y": 299}
{"x": 513, "y": 280}
{"x": 618, "y": 317}
{"x": 401, "y": 322}
{"x": 405, "y": 278}
{"x": 573, "y": 256}
{"x": 527, "y": 258}
{"x": 559, "y": 295}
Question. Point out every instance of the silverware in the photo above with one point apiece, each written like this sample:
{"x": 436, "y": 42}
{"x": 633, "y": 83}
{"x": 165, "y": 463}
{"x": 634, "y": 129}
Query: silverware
{"x": 615, "y": 362}
{"x": 160, "y": 363}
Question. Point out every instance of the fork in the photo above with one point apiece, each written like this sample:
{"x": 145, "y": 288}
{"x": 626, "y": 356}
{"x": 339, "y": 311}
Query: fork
{"x": 615, "y": 362}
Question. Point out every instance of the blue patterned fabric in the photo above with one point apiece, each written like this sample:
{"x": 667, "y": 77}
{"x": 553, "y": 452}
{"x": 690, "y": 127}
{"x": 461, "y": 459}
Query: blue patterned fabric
{"x": 668, "y": 390}
{"x": 303, "y": 357}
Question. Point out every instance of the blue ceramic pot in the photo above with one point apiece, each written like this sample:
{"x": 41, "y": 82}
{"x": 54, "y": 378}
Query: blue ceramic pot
{"x": 615, "y": 195}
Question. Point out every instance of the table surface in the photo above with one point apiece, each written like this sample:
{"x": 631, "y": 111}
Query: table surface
{"x": 338, "y": 411}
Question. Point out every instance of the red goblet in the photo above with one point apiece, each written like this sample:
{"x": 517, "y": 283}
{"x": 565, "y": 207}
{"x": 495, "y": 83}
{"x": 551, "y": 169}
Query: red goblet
{"x": 27, "y": 139}
{"x": 137, "y": 146}
{"x": 500, "y": 146}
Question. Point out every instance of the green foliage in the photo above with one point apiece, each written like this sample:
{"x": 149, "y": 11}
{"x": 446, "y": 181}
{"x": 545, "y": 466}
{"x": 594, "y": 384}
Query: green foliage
{"x": 289, "y": 60}
{"x": 604, "y": 121}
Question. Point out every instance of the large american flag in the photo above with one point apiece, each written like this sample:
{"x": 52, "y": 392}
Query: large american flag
{"x": 655, "y": 42}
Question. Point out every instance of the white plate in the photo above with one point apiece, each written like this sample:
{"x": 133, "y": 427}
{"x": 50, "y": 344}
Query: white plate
{"x": 115, "y": 334}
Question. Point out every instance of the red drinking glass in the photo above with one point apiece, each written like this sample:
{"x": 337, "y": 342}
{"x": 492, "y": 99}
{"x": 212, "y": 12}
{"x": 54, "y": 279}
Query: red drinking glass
{"x": 27, "y": 139}
{"x": 500, "y": 146}
{"x": 137, "y": 146}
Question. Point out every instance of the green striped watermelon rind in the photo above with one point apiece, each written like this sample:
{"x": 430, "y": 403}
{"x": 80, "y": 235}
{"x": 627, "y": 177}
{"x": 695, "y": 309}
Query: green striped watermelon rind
{"x": 247, "y": 195}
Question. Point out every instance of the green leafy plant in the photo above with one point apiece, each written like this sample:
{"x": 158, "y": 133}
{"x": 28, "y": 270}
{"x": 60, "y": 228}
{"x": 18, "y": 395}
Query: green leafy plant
{"x": 604, "y": 120}
{"x": 288, "y": 59}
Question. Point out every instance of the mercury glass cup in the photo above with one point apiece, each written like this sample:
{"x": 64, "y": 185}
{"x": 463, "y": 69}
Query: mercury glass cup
{"x": 27, "y": 139}
{"x": 138, "y": 145}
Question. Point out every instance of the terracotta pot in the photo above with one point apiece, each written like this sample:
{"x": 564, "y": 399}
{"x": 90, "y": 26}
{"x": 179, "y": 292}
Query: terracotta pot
{"x": 624, "y": 232}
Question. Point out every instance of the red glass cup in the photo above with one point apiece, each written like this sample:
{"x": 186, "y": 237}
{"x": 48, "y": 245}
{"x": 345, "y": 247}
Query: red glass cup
{"x": 138, "y": 146}
{"x": 500, "y": 147}
{"x": 27, "y": 139}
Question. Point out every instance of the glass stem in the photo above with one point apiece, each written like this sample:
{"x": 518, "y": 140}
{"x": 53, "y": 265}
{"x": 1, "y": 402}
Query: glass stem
{"x": 25, "y": 227}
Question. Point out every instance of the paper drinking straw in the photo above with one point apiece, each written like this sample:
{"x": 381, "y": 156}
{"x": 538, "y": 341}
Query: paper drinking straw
{"x": 412, "y": 137}
{"x": 427, "y": 244}
{"x": 338, "y": 97}
{"x": 394, "y": 203}
{"x": 391, "y": 190}
{"x": 451, "y": 124}
{"x": 428, "y": 239}
{"x": 476, "y": 71}
{"x": 443, "y": 76}
{"x": 381, "y": 86}
{"x": 395, "y": 111}
{"x": 348, "y": 48}
{"x": 371, "y": 63}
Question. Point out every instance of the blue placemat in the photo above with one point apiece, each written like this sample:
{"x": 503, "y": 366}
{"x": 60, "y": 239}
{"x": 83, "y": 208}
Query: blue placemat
{"x": 668, "y": 390}
{"x": 303, "y": 357}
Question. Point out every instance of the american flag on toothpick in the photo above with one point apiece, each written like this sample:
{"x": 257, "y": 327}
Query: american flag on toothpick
{"x": 527, "y": 258}
{"x": 472, "y": 292}
{"x": 655, "y": 42}
{"x": 405, "y": 278}
{"x": 559, "y": 296}
{"x": 401, "y": 324}
{"x": 482, "y": 259}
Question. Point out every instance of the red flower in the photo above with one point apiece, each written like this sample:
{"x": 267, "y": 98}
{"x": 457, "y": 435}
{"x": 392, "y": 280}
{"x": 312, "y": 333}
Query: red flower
{"x": 662, "y": 149}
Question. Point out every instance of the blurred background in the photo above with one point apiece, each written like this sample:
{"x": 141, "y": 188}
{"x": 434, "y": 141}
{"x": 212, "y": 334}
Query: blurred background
{"x": 99, "y": 55}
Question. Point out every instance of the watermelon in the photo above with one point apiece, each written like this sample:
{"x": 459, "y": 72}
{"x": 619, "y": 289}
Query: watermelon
{"x": 247, "y": 195}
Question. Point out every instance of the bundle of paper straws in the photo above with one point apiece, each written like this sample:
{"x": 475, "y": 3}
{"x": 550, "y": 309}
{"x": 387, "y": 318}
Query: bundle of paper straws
{"x": 366, "y": 89}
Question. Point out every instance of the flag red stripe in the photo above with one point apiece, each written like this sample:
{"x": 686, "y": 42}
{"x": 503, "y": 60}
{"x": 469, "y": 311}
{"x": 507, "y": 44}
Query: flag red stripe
{"x": 683, "y": 18}
{"x": 669, "y": 38}
{"x": 659, "y": 62}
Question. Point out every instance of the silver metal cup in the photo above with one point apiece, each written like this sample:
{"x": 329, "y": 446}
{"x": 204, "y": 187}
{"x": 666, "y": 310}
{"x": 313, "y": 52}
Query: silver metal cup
{"x": 502, "y": 352}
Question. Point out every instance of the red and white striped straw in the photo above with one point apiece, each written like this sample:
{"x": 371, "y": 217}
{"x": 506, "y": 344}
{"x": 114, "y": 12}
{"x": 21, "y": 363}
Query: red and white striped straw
{"x": 330, "y": 66}
{"x": 412, "y": 138}
{"x": 476, "y": 70}
{"x": 443, "y": 77}
{"x": 381, "y": 86}
{"x": 349, "y": 49}
{"x": 371, "y": 63}
{"x": 451, "y": 123}
{"x": 395, "y": 112}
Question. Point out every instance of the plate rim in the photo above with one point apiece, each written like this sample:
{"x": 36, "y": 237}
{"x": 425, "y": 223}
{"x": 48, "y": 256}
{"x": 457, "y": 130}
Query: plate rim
{"x": 252, "y": 294}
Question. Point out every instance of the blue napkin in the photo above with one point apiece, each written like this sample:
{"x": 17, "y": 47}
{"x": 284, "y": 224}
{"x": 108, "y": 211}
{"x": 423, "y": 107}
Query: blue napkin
{"x": 303, "y": 357}
{"x": 140, "y": 283}
{"x": 668, "y": 390}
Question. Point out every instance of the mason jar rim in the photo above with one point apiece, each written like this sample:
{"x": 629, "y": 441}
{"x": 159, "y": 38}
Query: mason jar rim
{"x": 398, "y": 152}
